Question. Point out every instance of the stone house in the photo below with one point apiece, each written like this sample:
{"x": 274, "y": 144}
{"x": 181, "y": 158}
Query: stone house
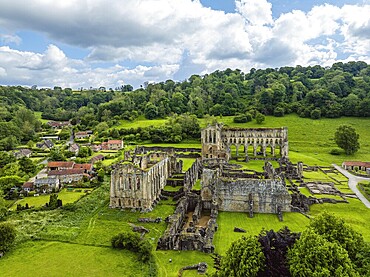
{"x": 82, "y": 135}
{"x": 28, "y": 186}
{"x": 97, "y": 158}
{"x": 112, "y": 145}
{"x": 88, "y": 168}
{"x": 46, "y": 185}
{"x": 68, "y": 176}
{"x": 45, "y": 144}
{"x": 96, "y": 147}
{"x": 59, "y": 125}
{"x": 74, "y": 148}
{"x": 352, "y": 165}
{"x": 22, "y": 153}
{"x": 60, "y": 165}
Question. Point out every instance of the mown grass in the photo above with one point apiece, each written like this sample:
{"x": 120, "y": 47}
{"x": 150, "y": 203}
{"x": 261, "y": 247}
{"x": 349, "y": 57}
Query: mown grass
{"x": 187, "y": 163}
{"x": 43, "y": 258}
{"x": 225, "y": 234}
{"x": 38, "y": 201}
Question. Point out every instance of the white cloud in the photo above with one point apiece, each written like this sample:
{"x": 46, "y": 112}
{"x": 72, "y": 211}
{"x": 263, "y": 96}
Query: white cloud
{"x": 170, "y": 37}
{"x": 7, "y": 39}
{"x": 257, "y": 12}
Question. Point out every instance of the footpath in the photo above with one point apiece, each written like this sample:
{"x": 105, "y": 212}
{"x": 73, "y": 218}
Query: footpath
{"x": 352, "y": 183}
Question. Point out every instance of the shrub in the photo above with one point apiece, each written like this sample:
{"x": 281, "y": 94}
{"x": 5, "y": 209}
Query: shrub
{"x": 7, "y": 236}
{"x": 335, "y": 152}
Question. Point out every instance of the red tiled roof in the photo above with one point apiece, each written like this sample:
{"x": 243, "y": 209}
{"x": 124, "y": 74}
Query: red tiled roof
{"x": 73, "y": 171}
{"x": 61, "y": 164}
{"x": 114, "y": 141}
{"x": 28, "y": 185}
{"x": 356, "y": 163}
{"x": 83, "y": 166}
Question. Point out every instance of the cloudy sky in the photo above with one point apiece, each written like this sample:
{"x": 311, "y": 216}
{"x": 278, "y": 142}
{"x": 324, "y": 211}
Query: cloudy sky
{"x": 93, "y": 43}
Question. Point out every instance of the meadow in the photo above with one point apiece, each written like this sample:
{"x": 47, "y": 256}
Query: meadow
{"x": 76, "y": 239}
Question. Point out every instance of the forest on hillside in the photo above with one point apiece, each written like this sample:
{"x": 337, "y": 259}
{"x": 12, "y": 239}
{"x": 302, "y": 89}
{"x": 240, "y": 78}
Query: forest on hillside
{"x": 314, "y": 92}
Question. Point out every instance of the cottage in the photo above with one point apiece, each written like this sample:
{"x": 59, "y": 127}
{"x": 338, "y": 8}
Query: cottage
{"x": 74, "y": 148}
{"x": 96, "y": 147}
{"x": 47, "y": 185}
{"x": 28, "y": 186}
{"x": 45, "y": 144}
{"x": 68, "y": 175}
{"x": 22, "y": 153}
{"x": 60, "y": 165}
{"x": 82, "y": 135}
{"x": 352, "y": 165}
{"x": 112, "y": 145}
{"x": 97, "y": 158}
{"x": 88, "y": 168}
{"x": 59, "y": 125}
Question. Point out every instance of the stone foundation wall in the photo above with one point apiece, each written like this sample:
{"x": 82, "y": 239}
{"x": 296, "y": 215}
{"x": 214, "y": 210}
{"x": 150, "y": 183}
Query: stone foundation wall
{"x": 267, "y": 195}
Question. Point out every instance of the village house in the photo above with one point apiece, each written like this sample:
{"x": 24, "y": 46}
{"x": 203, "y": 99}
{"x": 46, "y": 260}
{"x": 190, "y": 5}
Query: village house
{"x": 97, "y": 158}
{"x": 28, "y": 186}
{"x": 112, "y": 145}
{"x": 22, "y": 153}
{"x": 46, "y": 185}
{"x": 60, "y": 165}
{"x": 45, "y": 144}
{"x": 59, "y": 125}
{"x": 96, "y": 147}
{"x": 68, "y": 176}
{"x": 88, "y": 168}
{"x": 82, "y": 135}
{"x": 353, "y": 165}
{"x": 74, "y": 148}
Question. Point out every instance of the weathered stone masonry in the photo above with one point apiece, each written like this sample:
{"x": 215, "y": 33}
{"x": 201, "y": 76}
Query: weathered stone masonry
{"x": 137, "y": 185}
{"x": 217, "y": 141}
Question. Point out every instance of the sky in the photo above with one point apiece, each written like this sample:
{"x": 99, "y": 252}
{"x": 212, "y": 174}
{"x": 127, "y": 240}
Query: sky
{"x": 110, "y": 43}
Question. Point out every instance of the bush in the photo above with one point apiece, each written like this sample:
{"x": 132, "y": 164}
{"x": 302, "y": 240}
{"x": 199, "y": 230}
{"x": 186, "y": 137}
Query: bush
{"x": 7, "y": 236}
{"x": 133, "y": 242}
{"x": 335, "y": 152}
{"x": 279, "y": 112}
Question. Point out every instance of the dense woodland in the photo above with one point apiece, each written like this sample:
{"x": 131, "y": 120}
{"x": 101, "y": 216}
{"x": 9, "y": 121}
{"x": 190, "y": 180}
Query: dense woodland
{"x": 313, "y": 91}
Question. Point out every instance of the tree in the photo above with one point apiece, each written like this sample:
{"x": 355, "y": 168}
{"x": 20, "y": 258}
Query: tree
{"x": 260, "y": 118}
{"x": 347, "y": 139}
{"x": 275, "y": 246}
{"x": 7, "y": 236}
{"x": 334, "y": 229}
{"x": 243, "y": 258}
{"x": 3, "y": 209}
{"x": 312, "y": 255}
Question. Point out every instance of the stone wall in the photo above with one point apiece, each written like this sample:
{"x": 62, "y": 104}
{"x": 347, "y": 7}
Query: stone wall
{"x": 135, "y": 185}
{"x": 267, "y": 195}
{"x": 217, "y": 141}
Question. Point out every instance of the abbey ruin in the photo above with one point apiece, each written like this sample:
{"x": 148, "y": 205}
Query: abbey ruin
{"x": 138, "y": 182}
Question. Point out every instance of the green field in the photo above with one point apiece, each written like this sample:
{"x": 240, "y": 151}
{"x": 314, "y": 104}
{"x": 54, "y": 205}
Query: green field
{"x": 38, "y": 201}
{"x": 65, "y": 242}
{"x": 310, "y": 140}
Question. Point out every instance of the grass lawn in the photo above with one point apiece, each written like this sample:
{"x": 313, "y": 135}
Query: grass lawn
{"x": 38, "y": 117}
{"x": 187, "y": 163}
{"x": 140, "y": 122}
{"x": 355, "y": 213}
{"x": 38, "y": 201}
{"x": 228, "y": 220}
{"x": 44, "y": 258}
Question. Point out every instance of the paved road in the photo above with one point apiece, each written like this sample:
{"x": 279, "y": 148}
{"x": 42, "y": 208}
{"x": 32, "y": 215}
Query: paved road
{"x": 352, "y": 183}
